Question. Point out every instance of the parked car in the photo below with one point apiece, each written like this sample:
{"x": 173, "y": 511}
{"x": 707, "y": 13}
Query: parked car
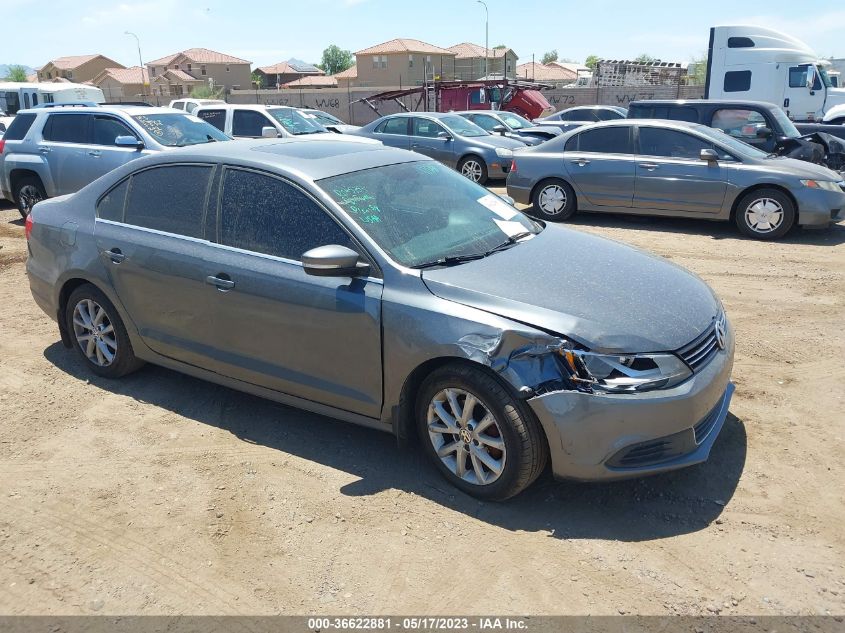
{"x": 257, "y": 121}
{"x": 382, "y": 288}
{"x": 763, "y": 125}
{"x": 329, "y": 121}
{"x": 572, "y": 118}
{"x": 672, "y": 168}
{"x": 448, "y": 138}
{"x": 52, "y": 151}
{"x": 190, "y": 105}
{"x": 511, "y": 125}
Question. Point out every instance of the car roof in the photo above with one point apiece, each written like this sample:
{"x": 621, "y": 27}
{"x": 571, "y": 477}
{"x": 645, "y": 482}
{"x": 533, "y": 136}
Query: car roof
{"x": 109, "y": 109}
{"x": 244, "y": 106}
{"x": 694, "y": 102}
{"x": 311, "y": 158}
{"x": 663, "y": 123}
{"x": 432, "y": 115}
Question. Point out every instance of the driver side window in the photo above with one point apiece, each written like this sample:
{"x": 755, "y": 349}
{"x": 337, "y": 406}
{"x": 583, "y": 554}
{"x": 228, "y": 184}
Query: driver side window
{"x": 426, "y": 128}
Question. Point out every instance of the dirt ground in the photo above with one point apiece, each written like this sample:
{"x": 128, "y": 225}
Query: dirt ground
{"x": 162, "y": 494}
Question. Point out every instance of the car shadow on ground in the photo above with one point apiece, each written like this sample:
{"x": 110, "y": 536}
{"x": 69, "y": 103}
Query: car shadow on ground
{"x": 644, "y": 509}
{"x": 832, "y": 236}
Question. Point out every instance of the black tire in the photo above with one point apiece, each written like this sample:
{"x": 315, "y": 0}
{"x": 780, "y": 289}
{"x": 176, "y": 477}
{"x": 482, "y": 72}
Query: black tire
{"x": 124, "y": 361}
{"x": 774, "y": 205}
{"x": 480, "y": 174}
{"x": 525, "y": 449}
{"x": 569, "y": 204}
{"x": 28, "y": 190}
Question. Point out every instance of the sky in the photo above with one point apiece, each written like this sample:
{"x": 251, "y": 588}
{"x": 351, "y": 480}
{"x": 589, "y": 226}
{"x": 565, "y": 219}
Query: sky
{"x": 36, "y": 31}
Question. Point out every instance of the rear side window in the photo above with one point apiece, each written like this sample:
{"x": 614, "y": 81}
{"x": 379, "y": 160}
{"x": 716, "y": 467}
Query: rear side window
{"x": 19, "y": 127}
{"x": 266, "y": 215}
{"x": 179, "y": 105}
{"x": 110, "y": 206}
{"x": 249, "y": 123}
{"x": 217, "y": 118}
{"x": 737, "y": 81}
{"x": 578, "y": 115}
{"x": 67, "y": 128}
{"x": 170, "y": 199}
{"x": 738, "y": 122}
{"x": 680, "y": 113}
{"x": 398, "y": 125}
{"x": 609, "y": 140}
{"x": 671, "y": 143}
{"x": 607, "y": 115}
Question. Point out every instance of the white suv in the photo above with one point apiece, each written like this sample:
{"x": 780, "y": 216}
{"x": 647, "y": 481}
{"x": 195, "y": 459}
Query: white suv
{"x": 189, "y": 105}
{"x": 257, "y": 121}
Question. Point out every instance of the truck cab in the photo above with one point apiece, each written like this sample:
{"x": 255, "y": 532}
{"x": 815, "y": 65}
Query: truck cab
{"x": 760, "y": 64}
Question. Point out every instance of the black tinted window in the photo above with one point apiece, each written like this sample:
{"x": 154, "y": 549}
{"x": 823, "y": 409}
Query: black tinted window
{"x": 607, "y": 115}
{"x": 217, "y": 118}
{"x": 107, "y": 129}
{"x": 249, "y": 123}
{"x": 265, "y": 215}
{"x": 740, "y": 42}
{"x": 394, "y": 126}
{"x": 612, "y": 140}
{"x": 19, "y": 127}
{"x": 737, "y": 81}
{"x": 671, "y": 143}
{"x": 578, "y": 115}
{"x": 426, "y": 127}
{"x": 110, "y": 206}
{"x": 170, "y": 199}
{"x": 67, "y": 128}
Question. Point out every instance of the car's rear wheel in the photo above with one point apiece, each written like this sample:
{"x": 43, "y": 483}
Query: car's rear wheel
{"x": 554, "y": 200}
{"x": 98, "y": 333}
{"x": 765, "y": 214}
{"x": 474, "y": 168}
{"x": 28, "y": 191}
{"x": 482, "y": 439}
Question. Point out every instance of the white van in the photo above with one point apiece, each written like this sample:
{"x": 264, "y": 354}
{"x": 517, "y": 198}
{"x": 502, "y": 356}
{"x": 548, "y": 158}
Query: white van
{"x": 16, "y": 96}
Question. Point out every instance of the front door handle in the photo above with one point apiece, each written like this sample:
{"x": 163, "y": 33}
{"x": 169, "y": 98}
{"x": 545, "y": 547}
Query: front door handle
{"x": 581, "y": 161}
{"x": 115, "y": 255}
{"x": 649, "y": 166}
{"x": 222, "y": 281}
{"x": 44, "y": 150}
{"x": 95, "y": 153}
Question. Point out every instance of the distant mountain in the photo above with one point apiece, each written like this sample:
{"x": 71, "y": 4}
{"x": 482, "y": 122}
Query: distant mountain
{"x": 4, "y": 69}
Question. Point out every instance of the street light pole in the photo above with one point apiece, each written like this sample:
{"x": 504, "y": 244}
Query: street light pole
{"x": 486, "y": 36}
{"x": 140, "y": 61}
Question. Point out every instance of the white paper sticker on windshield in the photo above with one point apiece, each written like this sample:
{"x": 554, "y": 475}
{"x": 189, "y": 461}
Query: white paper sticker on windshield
{"x": 498, "y": 206}
{"x": 510, "y": 228}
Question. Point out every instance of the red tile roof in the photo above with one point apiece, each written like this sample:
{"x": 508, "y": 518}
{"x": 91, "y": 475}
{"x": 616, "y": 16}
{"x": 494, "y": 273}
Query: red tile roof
{"x": 317, "y": 81}
{"x": 536, "y": 70}
{"x": 349, "y": 73}
{"x": 133, "y": 75}
{"x": 467, "y": 50}
{"x": 75, "y": 61}
{"x": 199, "y": 56}
{"x": 403, "y": 45}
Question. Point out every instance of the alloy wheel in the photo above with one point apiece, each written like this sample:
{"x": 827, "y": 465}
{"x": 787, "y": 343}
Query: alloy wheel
{"x": 472, "y": 170}
{"x": 764, "y": 215}
{"x": 28, "y": 196}
{"x": 94, "y": 332}
{"x": 466, "y": 436}
{"x": 552, "y": 200}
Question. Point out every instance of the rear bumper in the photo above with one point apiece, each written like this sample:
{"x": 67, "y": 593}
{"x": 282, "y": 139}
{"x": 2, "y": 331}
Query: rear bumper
{"x": 596, "y": 437}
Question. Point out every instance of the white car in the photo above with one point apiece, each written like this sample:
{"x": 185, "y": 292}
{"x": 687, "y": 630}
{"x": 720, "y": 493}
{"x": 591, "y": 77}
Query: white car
{"x": 189, "y": 105}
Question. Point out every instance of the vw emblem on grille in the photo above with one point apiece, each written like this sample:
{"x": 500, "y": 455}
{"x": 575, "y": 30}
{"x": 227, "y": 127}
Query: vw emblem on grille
{"x": 720, "y": 334}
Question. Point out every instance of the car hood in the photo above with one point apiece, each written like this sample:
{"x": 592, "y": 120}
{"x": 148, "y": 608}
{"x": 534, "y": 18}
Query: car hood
{"x": 798, "y": 169}
{"x": 600, "y": 293}
{"x": 495, "y": 140}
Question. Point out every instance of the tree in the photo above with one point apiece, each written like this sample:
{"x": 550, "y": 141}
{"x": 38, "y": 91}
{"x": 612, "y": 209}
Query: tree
{"x": 495, "y": 48}
{"x": 16, "y": 73}
{"x": 257, "y": 80}
{"x": 335, "y": 60}
{"x": 551, "y": 56}
{"x": 697, "y": 73}
{"x": 204, "y": 91}
{"x": 645, "y": 58}
{"x": 591, "y": 62}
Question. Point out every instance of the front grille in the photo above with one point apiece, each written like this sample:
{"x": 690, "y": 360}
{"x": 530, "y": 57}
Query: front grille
{"x": 698, "y": 353}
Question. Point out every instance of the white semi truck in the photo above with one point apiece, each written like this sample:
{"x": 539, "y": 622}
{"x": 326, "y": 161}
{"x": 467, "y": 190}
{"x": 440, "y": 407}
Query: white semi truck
{"x": 760, "y": 64}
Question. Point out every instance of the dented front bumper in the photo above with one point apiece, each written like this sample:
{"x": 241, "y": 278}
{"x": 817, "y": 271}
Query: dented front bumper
{"x": 602, "y": 436}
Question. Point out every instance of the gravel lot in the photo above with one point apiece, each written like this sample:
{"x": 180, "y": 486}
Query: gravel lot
{"x": 162, "y": 494}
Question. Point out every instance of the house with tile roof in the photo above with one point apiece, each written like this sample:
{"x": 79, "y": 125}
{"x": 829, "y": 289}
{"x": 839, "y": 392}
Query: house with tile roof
{"x": 402, "y": 62}
{"x": 473, "y": 62}
{"x": 285, "y": 72}
{"x": 312, "y": 81}
{"x": 177, "y": 74}
{"x": 76, "y": 68}
{"x": 555, "y": 74}
{"x": 124, "y": 84}
{"x": 347, "y": 78}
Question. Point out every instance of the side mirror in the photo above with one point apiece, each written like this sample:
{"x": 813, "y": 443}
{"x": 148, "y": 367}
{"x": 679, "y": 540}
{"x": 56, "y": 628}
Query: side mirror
{"x": 811, "y": 77}
{"x": 333, "y": 261}
{"x": 500, "y": 129}
{"x": 709, "y": 155}
{"x": 764, "y": 132}
{"x": 129, "y": 141}
{"x": 444, "y": 135}
{"x": 268, "y": 131}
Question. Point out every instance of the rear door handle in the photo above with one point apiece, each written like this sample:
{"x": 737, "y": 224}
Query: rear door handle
{"x": 115, "y": 255}
{"x": 222, "y": 281}
{"x": 649, "y": 166}
{"x": 44, "y": 150}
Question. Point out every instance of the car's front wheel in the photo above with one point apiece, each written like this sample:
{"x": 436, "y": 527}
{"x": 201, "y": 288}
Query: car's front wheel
{"x": 554, "y": 200}
{"x": 482, "y": 439}
{"x": 474, "y": 168}
{"x": 765, "y": 214}
{"x": 98, "y": 333}
{"x": 28, "y": 191}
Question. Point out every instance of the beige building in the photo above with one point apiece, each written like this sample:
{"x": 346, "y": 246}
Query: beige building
{"x": 347, "y": 78}
{"x": 123, "y": 84}
{"x": 285, "y": 72}
{"x": 177, "y": 74}
{"x": 403, "y": 62}
{"x": 76, "y": 68}
{"x": 471, "y": 60}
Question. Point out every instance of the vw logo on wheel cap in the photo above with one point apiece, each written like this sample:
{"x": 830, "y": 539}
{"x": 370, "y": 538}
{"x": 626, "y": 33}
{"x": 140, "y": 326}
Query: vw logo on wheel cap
{"x": 720, "y": 334}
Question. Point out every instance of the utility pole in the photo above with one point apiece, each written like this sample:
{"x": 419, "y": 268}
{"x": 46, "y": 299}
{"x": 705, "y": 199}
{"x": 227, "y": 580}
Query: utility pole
{"x": 486, "y": 36}
{"x": 140, "y": 61}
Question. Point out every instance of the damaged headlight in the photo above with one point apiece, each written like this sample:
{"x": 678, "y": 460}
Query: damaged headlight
{"x": 827, "y": 185}
{"x": 620, "y": 373}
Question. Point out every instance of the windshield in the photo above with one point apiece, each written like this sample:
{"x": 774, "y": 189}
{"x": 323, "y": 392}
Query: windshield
{"x": 424, "y": 212}
{"x": 460, "y": 126}
{"x": 323, "y": 117}
{"x": 177, "y": 130}
{"x": 295, "y": 122}
{"x": 789, "y": 129}
{"x": 515, "y": 121}
{"x": 825, "y": 77}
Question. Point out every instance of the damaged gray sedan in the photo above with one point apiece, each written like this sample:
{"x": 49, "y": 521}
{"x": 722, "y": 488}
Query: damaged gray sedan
{"x": 376, "y": 286}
